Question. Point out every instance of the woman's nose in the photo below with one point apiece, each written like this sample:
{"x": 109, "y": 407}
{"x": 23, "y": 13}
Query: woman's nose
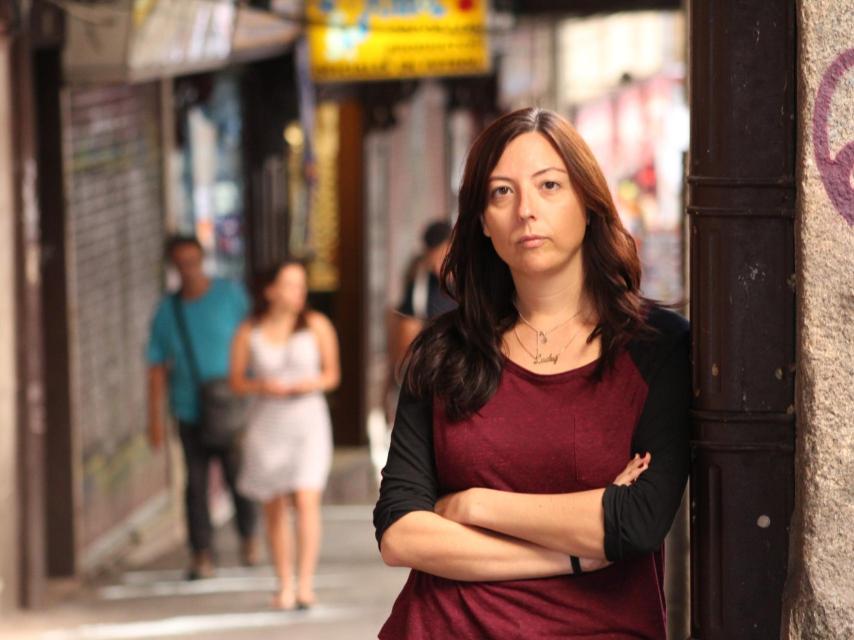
{"x": 526, "y": 209}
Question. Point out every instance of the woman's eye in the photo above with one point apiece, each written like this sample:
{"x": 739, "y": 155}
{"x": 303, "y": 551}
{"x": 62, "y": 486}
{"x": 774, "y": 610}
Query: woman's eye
{"x": 551, "y": 185}
{"x": 503, "y": 190}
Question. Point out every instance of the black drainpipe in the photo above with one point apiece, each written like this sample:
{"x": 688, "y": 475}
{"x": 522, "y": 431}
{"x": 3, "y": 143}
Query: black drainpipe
{"x": 741, "y": 202}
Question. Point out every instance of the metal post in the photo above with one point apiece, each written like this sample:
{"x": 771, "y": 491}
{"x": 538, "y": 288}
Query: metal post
{"x": 741, "y": 204}
{"x": 30, "y": 388}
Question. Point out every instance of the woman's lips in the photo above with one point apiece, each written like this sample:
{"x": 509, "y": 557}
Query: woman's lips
{"x": 532, "y": 242}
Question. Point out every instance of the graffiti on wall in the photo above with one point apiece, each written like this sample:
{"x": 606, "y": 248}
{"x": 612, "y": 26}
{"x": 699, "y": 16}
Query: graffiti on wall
{"x": 836, "y": 171}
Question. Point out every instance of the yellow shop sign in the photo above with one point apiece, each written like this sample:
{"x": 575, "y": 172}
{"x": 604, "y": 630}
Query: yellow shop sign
{"x": 383, "y": 39}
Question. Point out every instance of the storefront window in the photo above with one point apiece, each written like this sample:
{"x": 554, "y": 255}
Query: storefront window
{"x": 209, "y": 154}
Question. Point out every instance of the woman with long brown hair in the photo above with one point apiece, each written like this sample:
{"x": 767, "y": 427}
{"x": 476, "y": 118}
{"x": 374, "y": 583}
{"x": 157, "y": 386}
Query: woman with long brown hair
{"x": 540, "y": 448}
{"x": 286, "y": 356}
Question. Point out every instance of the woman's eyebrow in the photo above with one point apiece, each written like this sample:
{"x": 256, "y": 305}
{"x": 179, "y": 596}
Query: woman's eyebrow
{"x": 533, "y": 175}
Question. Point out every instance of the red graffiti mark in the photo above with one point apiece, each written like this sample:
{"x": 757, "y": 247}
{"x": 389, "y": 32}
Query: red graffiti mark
{"x": 835, "y": 172}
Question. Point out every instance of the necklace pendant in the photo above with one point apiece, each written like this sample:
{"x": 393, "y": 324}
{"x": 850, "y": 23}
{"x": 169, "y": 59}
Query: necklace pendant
{"x": 543, "y": 337}
{"x": 544, "y": 359}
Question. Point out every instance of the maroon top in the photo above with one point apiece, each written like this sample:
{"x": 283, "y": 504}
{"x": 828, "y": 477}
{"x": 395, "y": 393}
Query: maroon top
{"x": 556, "y": 433}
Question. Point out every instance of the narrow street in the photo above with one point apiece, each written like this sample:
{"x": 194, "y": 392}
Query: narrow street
{"x": 210, "y": 201}
{"x": 355, "y": 592}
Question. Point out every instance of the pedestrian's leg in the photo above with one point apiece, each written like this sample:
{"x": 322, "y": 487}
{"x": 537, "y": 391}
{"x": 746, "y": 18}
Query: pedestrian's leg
{"x": 308, "y": 542}
{"x": 246, "y": 512}
{"x": 279, "y": 537}
{"x": 197, "y": 462}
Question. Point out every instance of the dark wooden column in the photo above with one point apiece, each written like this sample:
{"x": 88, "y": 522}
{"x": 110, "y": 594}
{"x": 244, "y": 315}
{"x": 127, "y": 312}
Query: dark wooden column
{"x": 60, "y": 539}
{"x": 741, "y": 204}
{"x": 269, "y": 102}
{"x": 350, "y": 410}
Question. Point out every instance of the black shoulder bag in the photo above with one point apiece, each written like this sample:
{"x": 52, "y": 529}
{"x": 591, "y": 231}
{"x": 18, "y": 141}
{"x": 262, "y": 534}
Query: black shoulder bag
{"x": 223, "y": 413}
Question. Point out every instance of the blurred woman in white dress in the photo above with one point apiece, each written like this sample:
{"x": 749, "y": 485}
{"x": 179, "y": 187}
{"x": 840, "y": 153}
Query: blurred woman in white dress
{"x": 286, "y": 356}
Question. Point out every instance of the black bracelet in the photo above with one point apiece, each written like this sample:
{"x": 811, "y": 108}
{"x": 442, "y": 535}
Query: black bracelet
{"x": 576, "y": 565}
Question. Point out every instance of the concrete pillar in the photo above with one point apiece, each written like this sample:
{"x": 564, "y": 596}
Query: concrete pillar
{"x": 819, "y": 599}
{"x": 8, "y": 411}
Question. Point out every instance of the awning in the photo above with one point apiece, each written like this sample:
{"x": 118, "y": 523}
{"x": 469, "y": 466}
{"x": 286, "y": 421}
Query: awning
{"x": 150, "y": 39}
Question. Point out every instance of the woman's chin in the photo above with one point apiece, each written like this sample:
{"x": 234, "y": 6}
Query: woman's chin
{"x": 533, "y": 265}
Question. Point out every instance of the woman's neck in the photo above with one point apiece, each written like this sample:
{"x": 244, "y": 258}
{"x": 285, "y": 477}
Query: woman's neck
{"x": 279, "y": 314}
{"x": 545, "y": 301}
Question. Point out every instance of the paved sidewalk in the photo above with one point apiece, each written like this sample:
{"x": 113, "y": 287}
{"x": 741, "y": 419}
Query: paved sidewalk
{"x": 355, "y": 593}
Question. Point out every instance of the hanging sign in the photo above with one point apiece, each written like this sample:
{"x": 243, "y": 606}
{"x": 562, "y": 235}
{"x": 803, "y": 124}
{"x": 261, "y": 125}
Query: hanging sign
{"x": 352, "y": 40}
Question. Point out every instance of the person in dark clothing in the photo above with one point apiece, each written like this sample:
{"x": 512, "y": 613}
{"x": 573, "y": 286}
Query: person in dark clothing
{"x": 423, "y": 299}
{"x": 540, "y": 447}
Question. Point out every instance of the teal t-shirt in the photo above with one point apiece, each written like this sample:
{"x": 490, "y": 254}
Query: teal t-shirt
{"x": 212, "y": 320}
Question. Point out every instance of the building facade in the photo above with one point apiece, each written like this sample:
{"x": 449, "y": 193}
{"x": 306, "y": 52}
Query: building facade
{"x": 819, "y": 599}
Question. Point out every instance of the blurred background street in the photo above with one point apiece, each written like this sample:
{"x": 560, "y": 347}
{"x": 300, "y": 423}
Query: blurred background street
{"x": 154, "y": 600}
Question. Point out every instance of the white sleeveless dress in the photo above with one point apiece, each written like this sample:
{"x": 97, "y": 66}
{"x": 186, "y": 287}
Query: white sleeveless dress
{"x": 288, "y": 441}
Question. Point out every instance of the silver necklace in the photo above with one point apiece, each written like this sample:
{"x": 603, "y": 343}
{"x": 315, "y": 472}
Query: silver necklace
{"x": 539, "y": 358}
{"x": 543, "y": 336}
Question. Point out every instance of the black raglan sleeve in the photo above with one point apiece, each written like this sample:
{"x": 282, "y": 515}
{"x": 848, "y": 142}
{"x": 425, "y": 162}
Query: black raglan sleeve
{"x": 409, "y": 477}
{"x": 638, "y": 517}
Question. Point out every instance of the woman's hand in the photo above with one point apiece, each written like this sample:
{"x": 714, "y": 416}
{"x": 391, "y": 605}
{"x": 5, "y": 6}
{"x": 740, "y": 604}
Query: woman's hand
{"x": 636, "y": 466}
{"x": 592, "y": 564}
{"x": 305, "y": 386}
{"x": 277, "y": 388}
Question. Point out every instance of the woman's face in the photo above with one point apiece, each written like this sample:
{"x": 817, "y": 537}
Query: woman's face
{"x": 534, "y": 218}
{"x": 289, "y": 289}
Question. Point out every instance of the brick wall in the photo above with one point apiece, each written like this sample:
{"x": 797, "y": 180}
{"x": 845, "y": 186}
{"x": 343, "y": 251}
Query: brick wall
{"x": 114, "y": 239}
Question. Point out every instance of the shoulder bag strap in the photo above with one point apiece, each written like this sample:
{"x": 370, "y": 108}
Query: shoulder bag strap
{"x": 181, "y": 322}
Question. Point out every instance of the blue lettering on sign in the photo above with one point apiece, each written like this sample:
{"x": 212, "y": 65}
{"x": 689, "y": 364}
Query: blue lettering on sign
{"x": 393, "y": 8}
{"x": 405, "y": 8}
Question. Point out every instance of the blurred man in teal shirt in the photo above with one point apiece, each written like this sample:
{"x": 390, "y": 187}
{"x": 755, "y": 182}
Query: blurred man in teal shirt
{"x": 213, "y": 308}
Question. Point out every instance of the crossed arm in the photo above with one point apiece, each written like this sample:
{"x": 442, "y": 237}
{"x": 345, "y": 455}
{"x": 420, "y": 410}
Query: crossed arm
{"x": 481, "y": 534}
{"x": 485, "y": 535}
{"x": 569, "y": 523}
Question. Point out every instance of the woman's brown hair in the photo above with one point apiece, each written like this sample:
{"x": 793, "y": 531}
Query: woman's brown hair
{"x": 458, "y": 358}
